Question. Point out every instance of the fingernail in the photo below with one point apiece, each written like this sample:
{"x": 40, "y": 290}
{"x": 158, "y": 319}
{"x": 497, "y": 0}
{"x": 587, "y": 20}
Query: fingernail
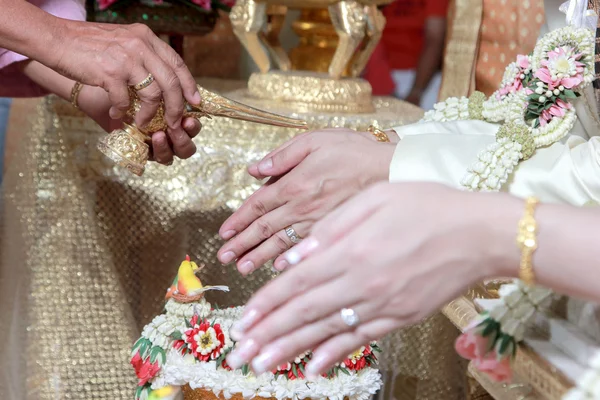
{"x": 115, "y": 113}
{"x": 265, "y": 166}
{"x": 280, "y": 265}
{"x": 189, "y": 124}
{"x": 246, "y": 267}
{"x": 228, "y": 235}
{"x": 301, "y": 250}
{"x": 263, "y": 361}
{"x": 227, "y": 257}
{"x": 196, "y": 98}
{"x": 316, "y": 366}
{"x": 243, "y": 352}
{"x": 240, "y": 327}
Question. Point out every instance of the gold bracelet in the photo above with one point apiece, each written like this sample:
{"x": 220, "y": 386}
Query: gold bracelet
{"x": 527, "y": 241}
{"x": 380, "y": 135}
{"x": 75, "y": 94}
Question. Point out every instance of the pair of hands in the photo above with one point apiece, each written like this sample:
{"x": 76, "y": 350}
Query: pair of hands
{"x": 114, "y": 57}
{"x": 394, "y": 254}
{"x": 309, "y": 176}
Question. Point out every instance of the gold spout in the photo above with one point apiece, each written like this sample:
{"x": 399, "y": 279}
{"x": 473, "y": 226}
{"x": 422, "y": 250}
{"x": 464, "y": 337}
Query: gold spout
{"x": 128, "y": 147}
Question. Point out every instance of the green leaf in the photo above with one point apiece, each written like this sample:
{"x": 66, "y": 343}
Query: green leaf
{"x": 570, "y": 94}
{"x": 547, "y": 106}
{"x": 188, "y": 323}
{"x": 537, "y": 123}
{"x": 301, "y": 368}
{"x": 294, "y": 370}
{"x": 345, "y": 371}
{"x": 176, "y": 335}
{"x": 535, "y": 96}
{"x": 504, "y": 342}
{"x": 216, "y": 306}
{"x": 491, "y": 328}
{"x": 245, "y": 369}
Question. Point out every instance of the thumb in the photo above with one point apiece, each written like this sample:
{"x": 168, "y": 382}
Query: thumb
{"x": 284, "y": 160}
{"x": 341, "y": 222}
{"x": 253, "y": 168}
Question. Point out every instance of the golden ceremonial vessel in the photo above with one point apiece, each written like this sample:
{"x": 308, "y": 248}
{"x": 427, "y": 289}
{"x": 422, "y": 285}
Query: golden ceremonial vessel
{"x": 128, "y": 147}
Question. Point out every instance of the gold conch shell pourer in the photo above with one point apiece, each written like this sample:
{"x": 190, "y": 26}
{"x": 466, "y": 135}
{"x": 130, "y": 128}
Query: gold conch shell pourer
{"x": 128, "y": 147}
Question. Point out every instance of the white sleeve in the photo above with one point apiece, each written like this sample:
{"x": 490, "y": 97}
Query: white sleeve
{"x": 567, "y": 172}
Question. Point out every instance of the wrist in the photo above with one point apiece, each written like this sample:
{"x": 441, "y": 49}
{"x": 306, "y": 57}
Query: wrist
{"x": 501, "y": 218}
{"x": 58, "y": 31}
{"x": 381, "y": 162}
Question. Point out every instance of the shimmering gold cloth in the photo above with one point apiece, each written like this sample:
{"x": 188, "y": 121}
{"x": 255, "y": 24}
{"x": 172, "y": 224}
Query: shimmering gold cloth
{"x": 88, "y": 249}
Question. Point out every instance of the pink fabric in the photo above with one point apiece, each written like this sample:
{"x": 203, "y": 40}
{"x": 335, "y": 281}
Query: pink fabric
{"x": 12, "y": 82}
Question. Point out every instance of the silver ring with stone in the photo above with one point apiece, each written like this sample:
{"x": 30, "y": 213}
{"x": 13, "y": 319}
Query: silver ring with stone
{"x": 292, "y": 235}
{"x": 350, "y": 317}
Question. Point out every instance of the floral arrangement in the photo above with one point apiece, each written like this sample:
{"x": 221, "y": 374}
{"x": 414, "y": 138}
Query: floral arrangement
{"x": 491, "y": 341}
{"x": 196, "y": 335}
{"x": 534, "y": 107}
{"x": 198, "y": 4}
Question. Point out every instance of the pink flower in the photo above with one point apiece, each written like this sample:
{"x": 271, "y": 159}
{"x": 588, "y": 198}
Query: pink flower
{"x": 206, "y": 4}
{"x": 523, "y": 61}
{"x": 561, "y": 68}
{"x": 556, "y": 110}
{"x": 104, "y": 4}
{"x": 471, "y": 345}
{"x": 497, "y": 370}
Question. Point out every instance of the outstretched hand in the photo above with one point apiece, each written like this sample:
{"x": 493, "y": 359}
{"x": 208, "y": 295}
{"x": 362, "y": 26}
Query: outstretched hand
{"x": 393, "y": 254}
{"x": 309, "y": 176}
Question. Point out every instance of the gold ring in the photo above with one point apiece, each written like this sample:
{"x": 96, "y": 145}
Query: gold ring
{"x": 292, "y": 235}
{"x": 145, "y": 83}
{"x": 380, "y": 135}
{"x": 75, "y": 94}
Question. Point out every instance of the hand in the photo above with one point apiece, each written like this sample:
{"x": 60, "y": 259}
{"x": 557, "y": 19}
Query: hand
{"x": 414, "y": 98}
{"x": 114, "y": 57}
{"x": 394, "y": 254}
{"x": 96, "y": 104}
{"x": 311, "y": 174}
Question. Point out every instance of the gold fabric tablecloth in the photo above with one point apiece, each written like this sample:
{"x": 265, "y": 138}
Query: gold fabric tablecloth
{"x": 88, "y": 250}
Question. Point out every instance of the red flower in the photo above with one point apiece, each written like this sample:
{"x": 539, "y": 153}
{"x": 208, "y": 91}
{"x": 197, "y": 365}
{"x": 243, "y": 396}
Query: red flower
{"x": 204, "y": 341}
{"x": 144, "y": 369}
{"x": 359, "y": 360}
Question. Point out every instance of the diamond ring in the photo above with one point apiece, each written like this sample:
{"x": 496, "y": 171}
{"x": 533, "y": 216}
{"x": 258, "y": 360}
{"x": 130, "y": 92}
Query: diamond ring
{"x": 350, "y": 317}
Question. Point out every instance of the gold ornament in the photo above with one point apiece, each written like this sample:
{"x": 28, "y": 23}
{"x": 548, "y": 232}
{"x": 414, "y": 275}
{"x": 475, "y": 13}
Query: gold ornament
{"x": 128, "y": 148}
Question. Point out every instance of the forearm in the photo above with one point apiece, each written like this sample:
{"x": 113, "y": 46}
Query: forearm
{"x": 566, "y": 259}
{"x": 93, "y": 101}
{"x": 429, "y": 64}
{"x": 28, "y": 30}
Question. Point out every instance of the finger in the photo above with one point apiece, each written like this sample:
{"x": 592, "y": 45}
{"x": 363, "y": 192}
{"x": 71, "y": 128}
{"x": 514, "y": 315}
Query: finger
{"x": 339, "y": 223}
{"x": 263, "y": 228}
{"x": 160, "y": 148}
{"x": 118, "y": 95}
{"x": 169, "y": 83}
{"x": 315, "y": 326}
{"x": 150, "y": 98}
{"x": 285, "y": 287}
{"x": 264, "y": 200}
{"x": 191, "y": 126}
{"x": 266, "y": 354}
{"x": 285, "y": 159}
{"x": 271, "y": 248}
{"x": 339, "y": 347}
{"x": 253, "y": 168}
{"x": 324, "y": 301}
{"x": 174, "y": 60}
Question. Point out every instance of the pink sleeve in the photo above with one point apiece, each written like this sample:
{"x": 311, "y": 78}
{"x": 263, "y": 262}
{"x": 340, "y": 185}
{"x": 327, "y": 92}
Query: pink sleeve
{"x": 12, "y": 82}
